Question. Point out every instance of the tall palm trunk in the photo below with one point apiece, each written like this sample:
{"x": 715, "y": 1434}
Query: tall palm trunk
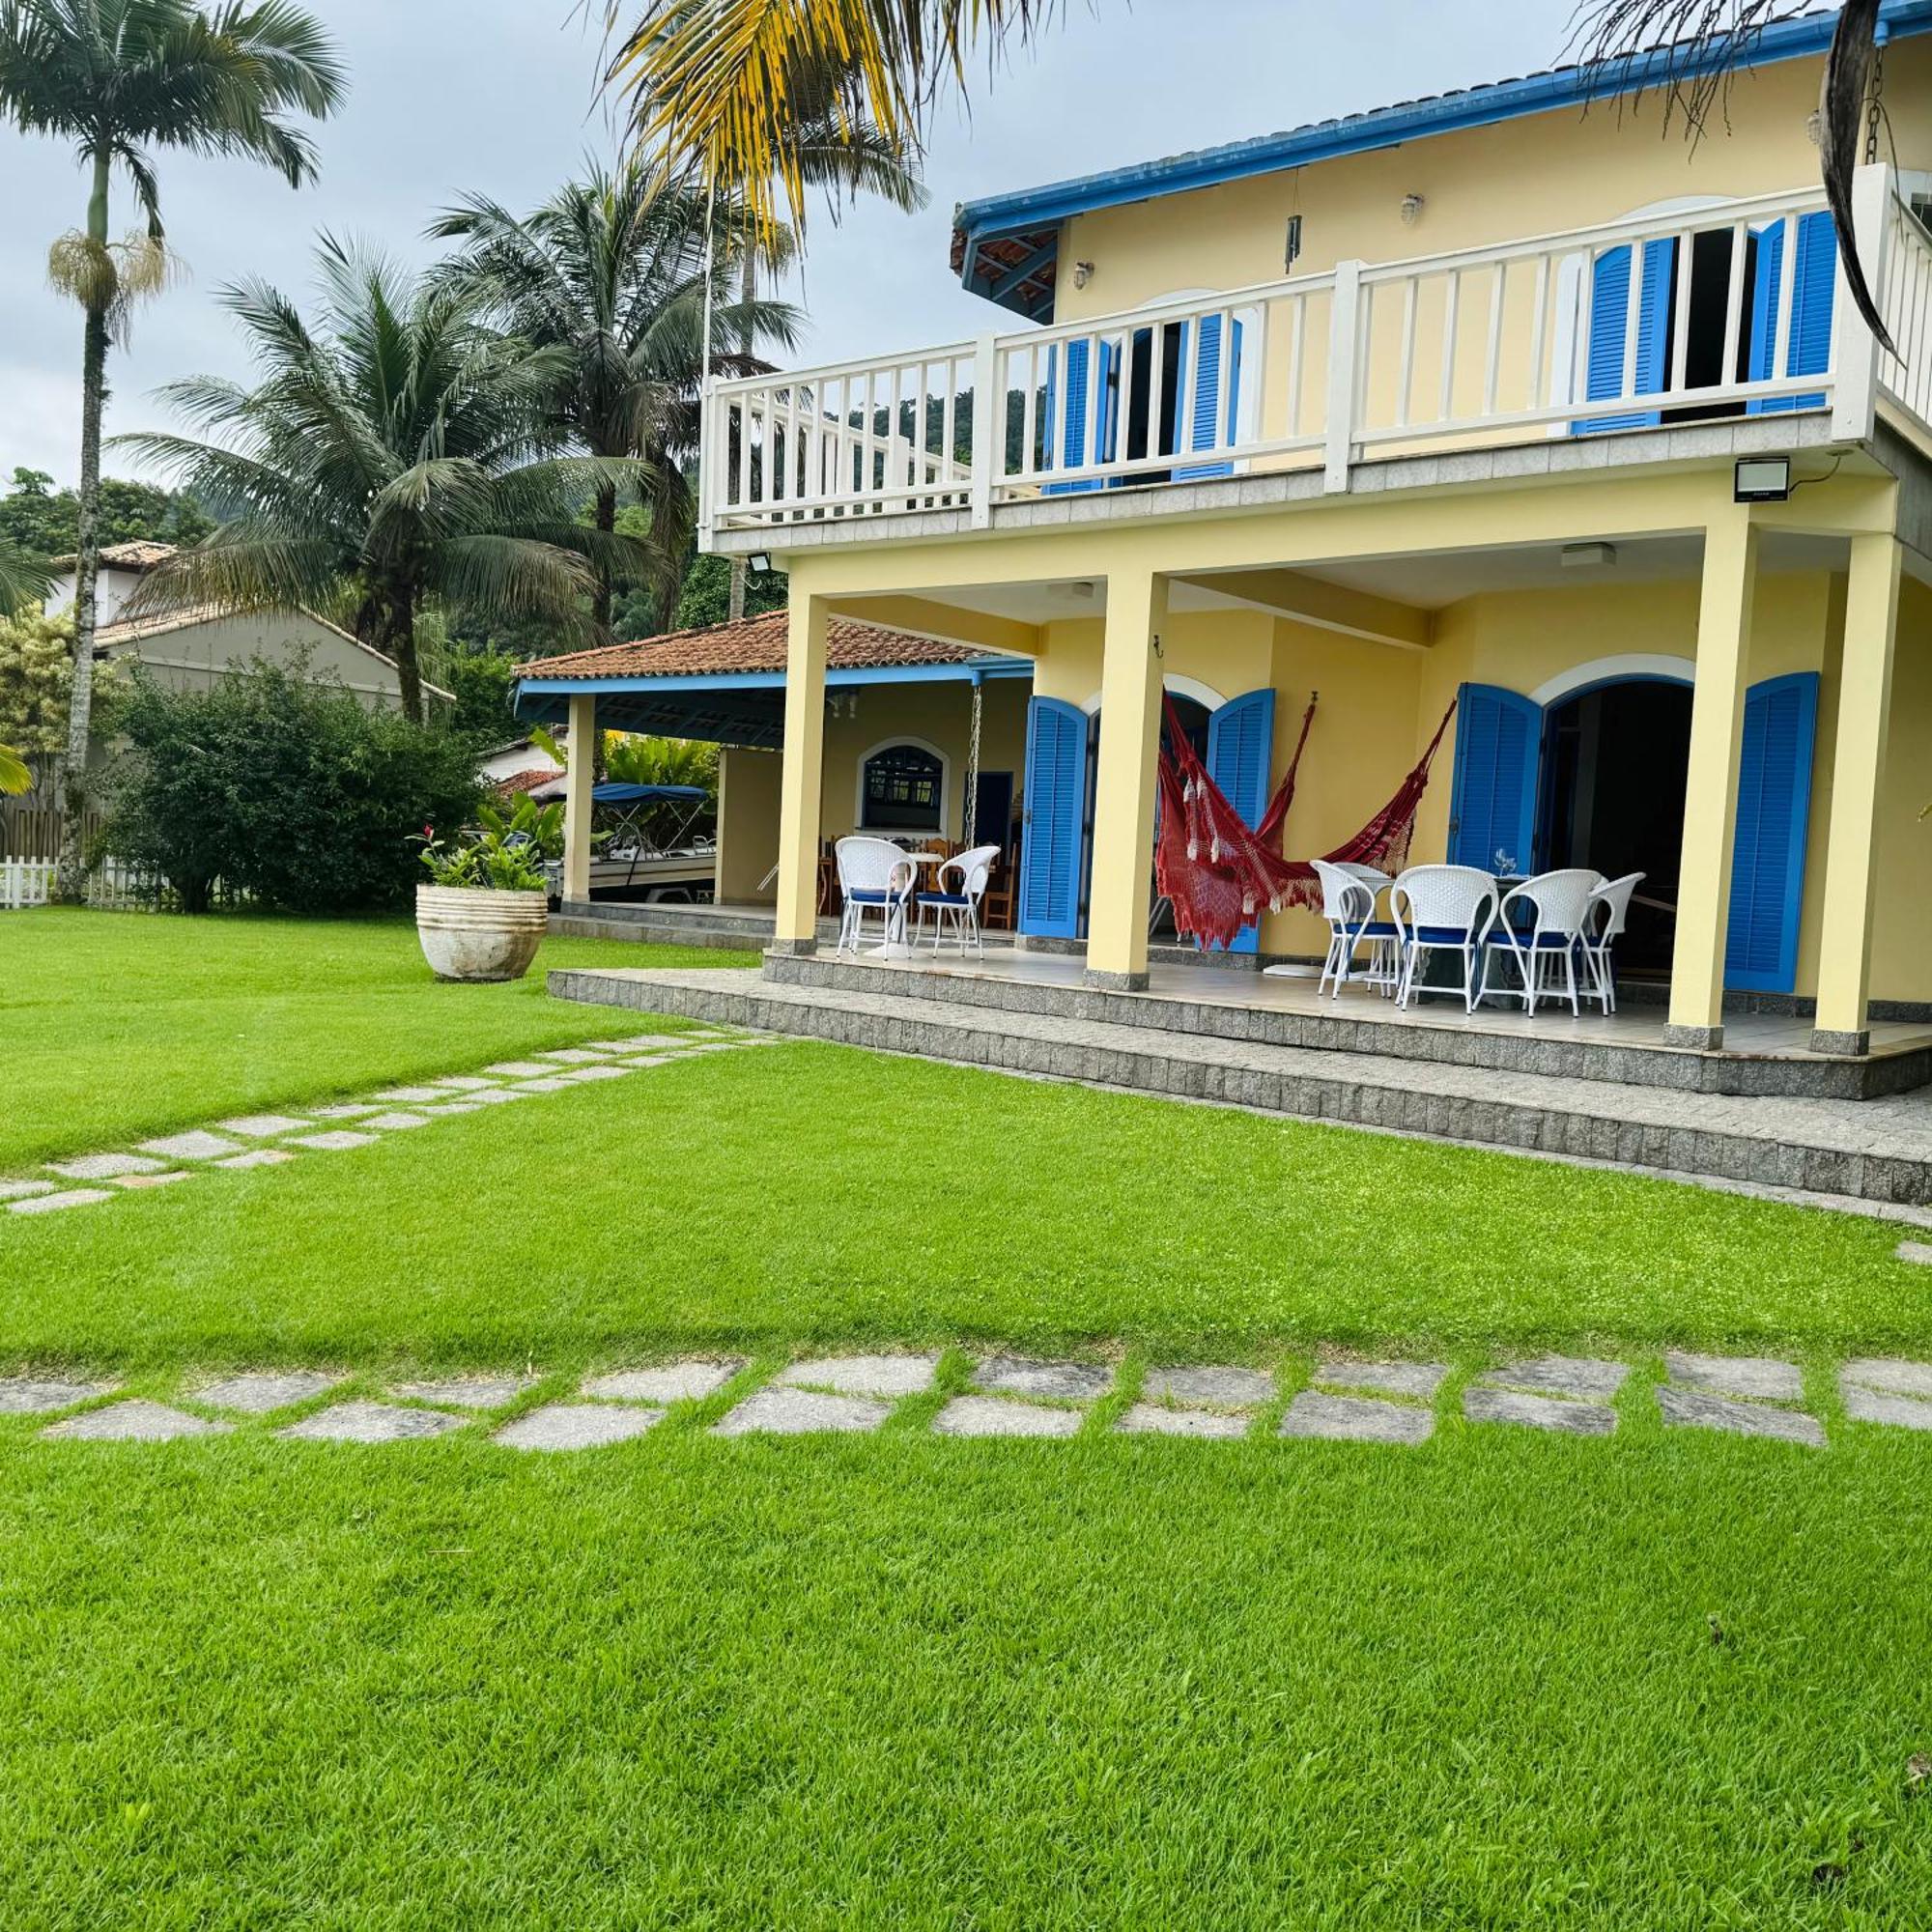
{"x": 72, "y": 885}
{"x": 399, "y": 641}
{"x": 749, "y": 294}
{"x": 607, "y": 523}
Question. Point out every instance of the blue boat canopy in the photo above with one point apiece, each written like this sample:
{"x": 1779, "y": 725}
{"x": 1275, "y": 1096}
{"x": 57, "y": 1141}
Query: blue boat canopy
{"x": 614, "y": 793}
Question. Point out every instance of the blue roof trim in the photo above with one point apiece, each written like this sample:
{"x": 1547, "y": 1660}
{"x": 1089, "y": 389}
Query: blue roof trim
{"x": 1033, "y": 209}
{"x": 970, "y": 671}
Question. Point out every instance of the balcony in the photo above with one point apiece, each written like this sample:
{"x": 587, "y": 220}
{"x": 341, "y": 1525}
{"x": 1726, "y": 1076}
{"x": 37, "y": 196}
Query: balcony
{"x": 1736, "y": 310}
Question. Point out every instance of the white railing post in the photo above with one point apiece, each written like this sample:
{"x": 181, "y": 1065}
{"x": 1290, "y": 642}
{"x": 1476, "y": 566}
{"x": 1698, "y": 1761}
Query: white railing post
{"x": 1344, "y": 342}
{"x": 990, "y": 426}
{"x": 1854, "y": 383}
{"x": 707, "y": 468}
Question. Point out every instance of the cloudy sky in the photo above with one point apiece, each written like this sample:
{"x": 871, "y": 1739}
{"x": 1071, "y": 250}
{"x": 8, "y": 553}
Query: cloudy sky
{"x": 500, "y": 95}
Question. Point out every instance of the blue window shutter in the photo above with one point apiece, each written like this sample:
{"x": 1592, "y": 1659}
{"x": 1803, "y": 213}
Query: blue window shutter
{"x": 1498, "y": 760}
{"x": 1774, "y": 820}
{"x": 1056, "y": 783}
{"x": 1240, "y": 760}
{"x": 1075, "y": 451}
{"x": 1216, "y": 403}
{"x": 1811, "y": 300}
{"x": 1609, "y": 324}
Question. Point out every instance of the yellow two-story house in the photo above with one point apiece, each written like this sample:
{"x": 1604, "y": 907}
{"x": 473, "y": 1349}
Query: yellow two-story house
{"x": 1513, "y": 400}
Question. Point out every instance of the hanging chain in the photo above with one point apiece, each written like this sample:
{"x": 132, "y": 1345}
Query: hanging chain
{"x": 1876, "y": 109}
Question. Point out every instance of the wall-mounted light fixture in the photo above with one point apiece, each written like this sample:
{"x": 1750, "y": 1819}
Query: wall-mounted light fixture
{"x": 1762, "y": 479}
{"x": 1412, "y": 206}
{"x": 1083, "y": 273}
{"x": 759, "y": 560}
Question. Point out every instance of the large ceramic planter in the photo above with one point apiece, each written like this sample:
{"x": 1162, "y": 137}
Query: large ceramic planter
{"x": 470, "y": 934}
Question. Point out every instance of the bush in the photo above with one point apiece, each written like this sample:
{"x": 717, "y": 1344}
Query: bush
{"x": 286, "y": 789}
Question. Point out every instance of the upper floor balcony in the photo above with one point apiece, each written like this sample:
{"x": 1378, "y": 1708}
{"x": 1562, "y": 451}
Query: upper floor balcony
{"x": 1580, "y": 342}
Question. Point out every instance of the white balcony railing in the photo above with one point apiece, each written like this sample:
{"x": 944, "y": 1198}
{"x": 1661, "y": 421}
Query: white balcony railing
{"x": 1734, "y": 309}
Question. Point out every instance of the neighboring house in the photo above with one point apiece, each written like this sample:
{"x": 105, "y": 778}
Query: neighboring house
{"x": 898, "y": 730}
{"x": 118, "y": 577}
{"x": 1441, "y": 403}
{"x": 521, "y": 764}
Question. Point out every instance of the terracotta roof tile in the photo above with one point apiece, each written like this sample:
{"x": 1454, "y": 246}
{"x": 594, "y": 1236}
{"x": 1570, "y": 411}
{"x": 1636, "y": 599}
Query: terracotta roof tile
{"x": 140, "y": 555}
{"x": 752, "y": 644}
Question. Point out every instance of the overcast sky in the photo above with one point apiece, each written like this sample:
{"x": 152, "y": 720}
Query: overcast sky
{"x": 500, "y": 95}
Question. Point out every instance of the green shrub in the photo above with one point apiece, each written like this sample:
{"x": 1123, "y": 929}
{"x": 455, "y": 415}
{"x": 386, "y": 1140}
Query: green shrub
{"x": 288, "y": 790}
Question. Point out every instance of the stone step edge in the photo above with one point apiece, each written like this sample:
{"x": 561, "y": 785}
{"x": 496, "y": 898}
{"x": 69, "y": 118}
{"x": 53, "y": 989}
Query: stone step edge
{"x": 1358, "y": 1098}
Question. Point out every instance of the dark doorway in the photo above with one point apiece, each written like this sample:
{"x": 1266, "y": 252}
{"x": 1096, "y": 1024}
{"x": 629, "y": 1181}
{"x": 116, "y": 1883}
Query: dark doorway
{"x": 993, "y": 808}
{"x": 1615, "y": 759}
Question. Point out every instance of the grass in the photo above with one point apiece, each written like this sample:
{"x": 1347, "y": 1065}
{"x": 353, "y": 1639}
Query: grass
{"x": 125, "y": 1026}
{"x": 1667, "y": 1680}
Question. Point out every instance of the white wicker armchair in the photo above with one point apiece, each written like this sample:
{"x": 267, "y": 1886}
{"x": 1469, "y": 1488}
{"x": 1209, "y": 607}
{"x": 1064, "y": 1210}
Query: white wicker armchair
{"x": 1604, "y": 925}
{"x": 874, "y": 875}
{"x": 1348, "y": 905}
{"x": 1546, "y": 943}
{"x": 1442, "y": 909}
{"x": 958, "y": 904}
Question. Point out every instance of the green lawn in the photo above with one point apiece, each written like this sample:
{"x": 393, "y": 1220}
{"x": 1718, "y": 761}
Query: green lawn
{"x": 1670, "y": 1680}
{"x": 118, "y": 1027}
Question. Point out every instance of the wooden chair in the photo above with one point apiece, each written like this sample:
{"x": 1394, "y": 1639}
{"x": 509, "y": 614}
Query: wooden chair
{"x": 999, "y": 908}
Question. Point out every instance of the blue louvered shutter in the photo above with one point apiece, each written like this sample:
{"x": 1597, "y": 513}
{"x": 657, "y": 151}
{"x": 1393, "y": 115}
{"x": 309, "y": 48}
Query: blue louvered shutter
{"x": 1811, "y": 300}
{"x": 1074, "y": 452}
{"x": 1609, "y": 328}
{"x": 1241, "y": 759}
{"x": 1056, "y": 782}
{"x": 1498, "y": 760}
{"x": 1780, "y": 729}
{"x": 1216, "y": 403}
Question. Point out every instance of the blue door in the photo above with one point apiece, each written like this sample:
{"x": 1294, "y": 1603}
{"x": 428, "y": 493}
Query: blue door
{"x": 1241, "y": 759}
{"x": 1774, "y": 819}
{"x": 1217, "y": 405}
{"x": 1056, "y": 781}
{"x": 1809, "y": 352}
{"x": 1498, "y": 756}
{"x": 1087, "y": 437}
{"x": 1609, "y": 331}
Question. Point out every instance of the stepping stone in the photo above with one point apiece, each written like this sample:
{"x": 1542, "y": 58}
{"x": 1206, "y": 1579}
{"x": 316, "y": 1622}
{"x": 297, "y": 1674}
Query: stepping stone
{"x": 572, "y": 1056}
{"x": 1349, "y": 1418}
{"x": 106, "y": 1165}
{"x": 454, "y": 1107}
{"x": 776, "y": 1411}
{"x": 52, "y": 1203}
{"x": 1147, "y": 1418}
{"x": 1891, "y": 1376}
{"x": 410, "y": 1095}
{"x": 134, "y": 1180}
{"x": 519, "y": 1069}
{"x": 985, "y": 1415}
{"x": 1539, "y": 1412}
{"x": 465, "y": 1083}
{"x": 1914, "y": 1251}
{"x": 865, "y": 1374}
{"x": 260, "y": 1394}
{"x": 1896, "y": 1411}
{"x": 387, "y": 1122}
{"x": 337, "y": 1140}
{"x": 644, "y": 1042}
{"x": 1069, "y": 1381}
{"x": 256, "y": 1158}
{"x": 370, "y": 1422}
{"x": 1753, "y": 1376}
{"x": 602, "y": 1070}
{"x": 22, "y": 1190}
{"x": 198, "y": 1144}
{"x": 24, "y": 1398}
{"x": 1576, "y": 1375}
{"x": 557, "y": 1083}
{"x": 1683, "y": 1409}
{"x": 134, "y": 1422}
{"x": 495, "y": 1096}
{"x": 1417, "y": 1378}
{"x": 577, "y": 1425}
{"x": 670, "y": 1381}
{"x": 262, "y": 1126}
{"x": 1229, "y": 1388}
{"x": 359, "y": 1110}
{"x": 483, "y": 1392}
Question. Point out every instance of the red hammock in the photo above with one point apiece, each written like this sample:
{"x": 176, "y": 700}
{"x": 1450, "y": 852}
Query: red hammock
{"x": 1218, "y": 874}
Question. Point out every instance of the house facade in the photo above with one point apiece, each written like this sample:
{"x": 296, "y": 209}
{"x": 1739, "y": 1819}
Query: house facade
{"x": 1442, "y": 405}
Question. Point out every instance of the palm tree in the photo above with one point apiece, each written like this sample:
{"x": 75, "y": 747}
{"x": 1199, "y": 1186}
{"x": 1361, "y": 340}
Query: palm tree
{"x": 23, "y": 580}
{"x": 120, "y": 78}
{"x": 610, "y": 274}
{"x": 403, "y": 451}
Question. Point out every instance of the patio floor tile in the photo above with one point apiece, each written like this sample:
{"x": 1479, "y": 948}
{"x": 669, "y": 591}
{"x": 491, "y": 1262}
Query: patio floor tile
{"x": 1577, "y": 1375}
{"x": 370, "y": 1422}
{"x": 198, "y": 1144}
{"x": 31, "y": 1398}
{"x": 1018, "y": 1374}
{"x": 1151, "y": 1418}
{"x": 865, "y": 1374}
{"x": 1349, "y": 1418}
{"x": 1683, "y": 1409}
{"x": 783, "y": 1412}
{"x": 262, "y": 1393}
{"x": 577, "y": 1425}
{"x": 106, "y": 1165}
{"x": 53, "y": 1204}
{"x": 1539, "y": 1412}
{"x": 1755, "y": 1377}
{"x": 988, "y": 1415}
{"x": 1416, "y": 1378}
{"x": 667, "y": 1381}
{"x": 133, "y": 1422}
{"x": 1224, "y": 1388}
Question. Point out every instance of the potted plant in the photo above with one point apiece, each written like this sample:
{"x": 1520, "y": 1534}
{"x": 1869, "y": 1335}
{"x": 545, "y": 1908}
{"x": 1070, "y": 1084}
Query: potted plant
{"x": 484, "y": 916}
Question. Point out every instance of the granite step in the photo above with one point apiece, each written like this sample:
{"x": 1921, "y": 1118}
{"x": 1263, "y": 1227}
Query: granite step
{"x": 1878, "y": 1153}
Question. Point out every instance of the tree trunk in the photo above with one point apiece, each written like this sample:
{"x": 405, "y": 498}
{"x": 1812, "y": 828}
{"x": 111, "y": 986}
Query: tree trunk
{"x": 399, "y": 640}
{"x": 70, "y": 885}
{"x": 607, "y": 525}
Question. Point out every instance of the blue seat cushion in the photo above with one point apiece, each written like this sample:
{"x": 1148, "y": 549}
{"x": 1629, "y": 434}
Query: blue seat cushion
{"x": 872, "y": 895}
{"x": 1441, "y": 935}
{"x": 944, "y": 898}
{"x": 1544, "y": 942}
{"x": 1377, "y": 928}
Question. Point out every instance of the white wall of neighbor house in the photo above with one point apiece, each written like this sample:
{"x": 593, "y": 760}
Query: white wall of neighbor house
{"x": 194, "y": 657}
{"x": 112, "y": 589}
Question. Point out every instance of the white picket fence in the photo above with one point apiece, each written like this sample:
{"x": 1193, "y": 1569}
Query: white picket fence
{"x": 111, "y": 887}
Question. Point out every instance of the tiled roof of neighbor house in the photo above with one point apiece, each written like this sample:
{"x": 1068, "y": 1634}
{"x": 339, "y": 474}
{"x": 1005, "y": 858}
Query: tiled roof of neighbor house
{"x": 141, "y": 554}
{"x": 752, "y": 644}
{"x": 525, "y": 780}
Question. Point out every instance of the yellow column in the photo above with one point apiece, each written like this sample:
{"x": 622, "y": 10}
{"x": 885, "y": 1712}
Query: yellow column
{"x": 579, "y": 776}
{"x": 1711, "y": 790}
{"x": 1857, "y": 776}
{"x": 1123, "y": 798}
{"x": 797, "y": 929}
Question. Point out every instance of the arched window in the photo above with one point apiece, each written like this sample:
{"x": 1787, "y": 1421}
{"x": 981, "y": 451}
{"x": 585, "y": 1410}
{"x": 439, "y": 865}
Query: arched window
{"x": 902, "y": 790}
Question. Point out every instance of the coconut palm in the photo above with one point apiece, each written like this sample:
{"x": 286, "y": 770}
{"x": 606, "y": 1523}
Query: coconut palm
{"x": 120, "y": 78}
{"x": 610, "y": 274}
{"x": 401, "y": 451}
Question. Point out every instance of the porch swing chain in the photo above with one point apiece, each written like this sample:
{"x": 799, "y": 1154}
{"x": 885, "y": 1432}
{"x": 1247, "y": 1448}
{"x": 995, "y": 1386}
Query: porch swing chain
{"x": 1874, "y": 112}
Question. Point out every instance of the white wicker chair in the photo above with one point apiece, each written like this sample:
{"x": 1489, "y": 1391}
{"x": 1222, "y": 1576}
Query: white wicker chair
{"x": 973, "y": 868}
{"x": 1603, "y": 927}
{"x": 1348, "y": 905}
{"x": 1558, "y": 904}
{"x": 1442, "y": 909}
{"x": 873, "y": 876}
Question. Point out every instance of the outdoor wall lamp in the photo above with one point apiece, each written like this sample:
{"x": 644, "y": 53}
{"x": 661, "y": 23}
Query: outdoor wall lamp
{"x": 1412, "y": 206}
{"x": 759, "y": 560}
{"x": 1083, "y": 273}
{"x": 1762, "y": 479}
